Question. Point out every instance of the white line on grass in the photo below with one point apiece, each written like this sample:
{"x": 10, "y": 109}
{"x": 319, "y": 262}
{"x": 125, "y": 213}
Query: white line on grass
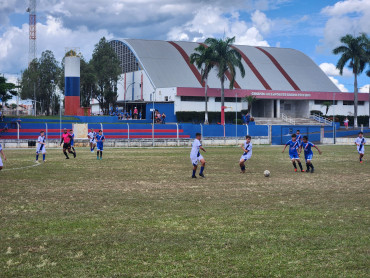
{"x": 25, "y": 167}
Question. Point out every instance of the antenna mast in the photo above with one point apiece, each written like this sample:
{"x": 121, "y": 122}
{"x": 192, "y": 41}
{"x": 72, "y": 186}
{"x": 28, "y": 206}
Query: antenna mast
{"x": 32, "y": 31}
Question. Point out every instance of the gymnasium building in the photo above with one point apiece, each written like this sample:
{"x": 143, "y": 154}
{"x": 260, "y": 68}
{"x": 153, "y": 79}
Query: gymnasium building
{"x": 284, "y": 81}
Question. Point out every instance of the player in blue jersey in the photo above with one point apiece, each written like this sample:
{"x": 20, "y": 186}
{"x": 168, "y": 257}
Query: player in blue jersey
{"x": 299, "y": 137}
{"x": 100, "y": 138}
{"x": 247, "y": 148}
{"x": 41, "y": 147}
{"x": 293, "y": 152}
{"x": 196, "y": 157}
{"x": 4, "y": 157}
{"x": 306, "y": 146}
{"x": 72, "y": 139}
{"x": 360, "y": 142}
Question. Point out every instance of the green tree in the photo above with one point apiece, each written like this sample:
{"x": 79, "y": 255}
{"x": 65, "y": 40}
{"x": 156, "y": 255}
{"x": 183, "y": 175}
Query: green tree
{"x": 250, "y": 100}
{"x": 107, "y": 69}
{"x": 327, "y": 105}
{"x": 6, "y": 90}
{"x": 225, "y": 58}
{"x": 204, "y": 60}
{"x": 39, "y": 82}
{"x": 354, "y": 52}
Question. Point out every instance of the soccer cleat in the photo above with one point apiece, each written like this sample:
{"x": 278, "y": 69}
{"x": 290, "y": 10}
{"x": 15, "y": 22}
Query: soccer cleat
{"x": 361, "y": 161}
{"x": 67, "y": 157}
{"x": 101, "y": 158}
{"x": 37, "y": 162}
{"x": 44, "y": 161}
{"x": 302, "y": 171}
{"x": 201, "y": 175}
{"x": 312, "y": 170}
{"x": 74, "y": 155}
{"x": 97, "y": 157}
{"x": 308, "y": 170}
{"x": 295, "y": 170}
{"x": 193, "y": 177}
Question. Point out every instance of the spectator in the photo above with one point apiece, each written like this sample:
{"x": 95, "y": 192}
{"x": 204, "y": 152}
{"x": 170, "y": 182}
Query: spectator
{"x": 346, "y": 121}
{"x": 163, "y": 118}
{"x": 135, "y": 113}
{"x": 140, "y": 115}
{"x": 247, "y": 118}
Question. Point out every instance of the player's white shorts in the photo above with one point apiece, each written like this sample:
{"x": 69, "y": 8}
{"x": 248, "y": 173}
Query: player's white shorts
{"x": 43, "y": 150}
{"x": 92, "y": 141}
{"x": 246, "y": 157}
{"x": 362, "y": 151}
{"x": 195, "y": 160}
{"x": 1, "y": 163}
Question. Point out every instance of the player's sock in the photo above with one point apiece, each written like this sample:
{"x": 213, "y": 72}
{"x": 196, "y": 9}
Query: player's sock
{"x": 308, "y": 166}
{"x": 300, "y": 166}
{"x": 65, "y": 153}
{"x": 101, "y": 155}
{"x": 242, "y": 168}
{"x": 295, "y": 165}
{"x": 201, "y": 170}
{"x": 194, "y": 171}
{"x": 37, "y": 157}
{"x": 43, "y": 157}
{"x": 97, "y": 155}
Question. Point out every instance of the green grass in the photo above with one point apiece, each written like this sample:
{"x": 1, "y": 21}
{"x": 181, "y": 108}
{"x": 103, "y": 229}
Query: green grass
{"x": 137, "y": 213}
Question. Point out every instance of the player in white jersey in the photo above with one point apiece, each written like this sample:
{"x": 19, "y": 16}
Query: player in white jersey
{"x": 360, "y": 142}
{"x": 4, "y": 157}
{"x": 41, "y": 147}
{"x": 91, "y": 135}
{"x": 196, "y": 157}
{"x": 247, "y": 148}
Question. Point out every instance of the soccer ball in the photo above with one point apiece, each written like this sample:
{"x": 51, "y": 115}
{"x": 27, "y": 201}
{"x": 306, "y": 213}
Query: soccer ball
{"x": 266, "y": 173}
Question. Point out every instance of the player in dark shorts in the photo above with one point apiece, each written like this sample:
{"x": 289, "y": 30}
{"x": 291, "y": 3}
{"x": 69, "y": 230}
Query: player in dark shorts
{"x": 66, "y": 138}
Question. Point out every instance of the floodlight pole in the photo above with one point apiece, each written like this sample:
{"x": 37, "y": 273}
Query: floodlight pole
{"x": 236, "y": 117}
{"x": 333, "y": 122}
{"x": 153, "y": 115}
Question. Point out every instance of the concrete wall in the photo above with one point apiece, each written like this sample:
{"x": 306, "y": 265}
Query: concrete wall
{"x": 340, "y": 109}
{"x": 213, "y": 106}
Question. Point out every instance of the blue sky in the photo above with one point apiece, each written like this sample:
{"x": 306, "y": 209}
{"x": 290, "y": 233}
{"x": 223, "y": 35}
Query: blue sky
{"x": 313, "y": 27}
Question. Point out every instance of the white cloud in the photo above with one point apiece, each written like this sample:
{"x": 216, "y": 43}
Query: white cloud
{"x": 261, "y": 22}
{"x": 331, "y": 70}
{"x": 341, "y": 87}
{"x": 212, "y": 22}
{"x": 345, "y": 17}
{"x": 51, "y": 36}
{"x": 364, "y": 89}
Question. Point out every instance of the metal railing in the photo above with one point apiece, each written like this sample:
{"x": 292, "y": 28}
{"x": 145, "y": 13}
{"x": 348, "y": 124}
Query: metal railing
{"x": 321, "y": 119}
{"x": 287, "y": 119}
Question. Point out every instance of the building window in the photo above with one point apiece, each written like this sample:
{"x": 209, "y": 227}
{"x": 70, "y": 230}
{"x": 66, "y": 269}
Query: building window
{"x": 228, "y": 99}
{"x": 190, "y": 98}
{"x": 320, "y": 102}
{"x": 125, "y": 56}
{"x": 350, "y": 102}
{"x": 165, "y": 98}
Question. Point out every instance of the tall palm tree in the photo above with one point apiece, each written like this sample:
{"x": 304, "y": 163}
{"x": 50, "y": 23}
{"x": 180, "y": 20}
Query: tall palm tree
{"x": 203, "y": 59}
{"x": 225, "y": 58}
{"x": 327, "y": 105}
{"x": 353, "y": 51}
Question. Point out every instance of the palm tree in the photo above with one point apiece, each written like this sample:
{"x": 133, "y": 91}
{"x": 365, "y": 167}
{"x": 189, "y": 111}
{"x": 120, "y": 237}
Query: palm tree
{"x": 327, "y": 105}
{"x": 203, "y": 59}
{"x": 250, "y": 100}
{"x": 225, "y": 59}
{"x": 353, "y": 50}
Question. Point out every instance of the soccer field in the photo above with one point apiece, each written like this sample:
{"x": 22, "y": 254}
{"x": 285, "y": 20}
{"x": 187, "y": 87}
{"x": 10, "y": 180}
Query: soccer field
{"x": 137, "y": 213}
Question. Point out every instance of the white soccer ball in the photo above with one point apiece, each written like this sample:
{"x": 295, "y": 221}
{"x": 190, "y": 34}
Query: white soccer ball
{"x": 266, "y": 173}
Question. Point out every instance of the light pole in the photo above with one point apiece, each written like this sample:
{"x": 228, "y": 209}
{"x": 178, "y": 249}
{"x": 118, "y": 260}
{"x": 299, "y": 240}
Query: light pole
{"x": 333, "y": 122}
{"x": 153, "y": 115}
{"x": 236, "y": 116}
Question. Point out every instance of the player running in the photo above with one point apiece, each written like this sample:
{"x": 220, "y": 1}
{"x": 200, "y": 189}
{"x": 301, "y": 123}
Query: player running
{"x": 4, "y": 157}
{"x": 72, "y": 140}
{"x": 299, "y": 137}
{"x": 293, "y": 152}
{"x": 196, "y": 157}
{"x": 360, "y": 142}
{"x": 66, "y": 138}
{"x": 41, "y": 147}
{"x": 91, "y": 135}
{"x": 247, "y": 148}
{"x": 308, "y": 154}
{"x": 100, "y": 138}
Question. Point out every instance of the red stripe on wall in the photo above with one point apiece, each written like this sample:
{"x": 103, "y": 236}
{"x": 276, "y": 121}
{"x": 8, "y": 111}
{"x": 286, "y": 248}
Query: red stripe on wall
{"x": 228, "y": 74}
{"x": 280, "y": 68}
{"x": 187, "y": 60}
{"x": 253, "y": 68}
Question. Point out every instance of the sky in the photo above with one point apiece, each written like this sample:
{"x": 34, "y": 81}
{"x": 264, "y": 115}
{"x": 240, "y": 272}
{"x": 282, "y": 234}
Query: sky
{"x": 313, "y": 27}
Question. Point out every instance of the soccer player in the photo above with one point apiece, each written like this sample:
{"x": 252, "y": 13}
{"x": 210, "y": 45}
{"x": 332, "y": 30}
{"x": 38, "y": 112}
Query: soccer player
{"x": 360, "y": 142}
{"x": 293, "y": 152}
{"x": 100, "y": 138}
{"x": 299, "y": 137}
{"x": 72, "y": 140}
{"x": 308, "y": 154}
{"x": 2, "y": 153}
{"x": 66, "y": 138}
{"x": 41, "y": 147}
{"x": 91, "y": 135}
{"x": 247, "y": 148}
{"x": 196, "y": 157}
